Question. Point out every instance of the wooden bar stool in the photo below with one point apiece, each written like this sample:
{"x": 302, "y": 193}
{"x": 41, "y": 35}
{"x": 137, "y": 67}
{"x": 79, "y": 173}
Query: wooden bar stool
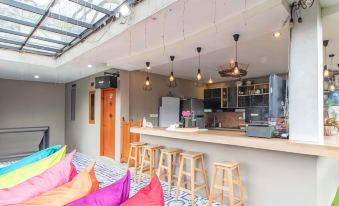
{"x": 135, "y": 155}
{"x": 170, "y": 154}
{"x": 193, "y": 157}
{"x": 228, "y": 167}
{"x": 148, "y": 161}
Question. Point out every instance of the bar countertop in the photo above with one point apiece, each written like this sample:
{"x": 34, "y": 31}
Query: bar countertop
{"x": 330, "y": 147}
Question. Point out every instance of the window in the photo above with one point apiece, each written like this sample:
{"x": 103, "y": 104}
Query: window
{"x": 73, "y": 96}
{"x": 92, "y": 107}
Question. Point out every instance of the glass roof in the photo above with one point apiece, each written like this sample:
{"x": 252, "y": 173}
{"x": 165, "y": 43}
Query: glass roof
{"x": 51, "y": 27}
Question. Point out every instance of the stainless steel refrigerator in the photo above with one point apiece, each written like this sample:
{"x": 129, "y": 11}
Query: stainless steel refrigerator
{"x": 169, "y": 111}
{"x": 196, "y": 107}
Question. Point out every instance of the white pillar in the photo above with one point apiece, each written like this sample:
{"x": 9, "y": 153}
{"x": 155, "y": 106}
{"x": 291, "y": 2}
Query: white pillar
{"x": 306, "y": 78}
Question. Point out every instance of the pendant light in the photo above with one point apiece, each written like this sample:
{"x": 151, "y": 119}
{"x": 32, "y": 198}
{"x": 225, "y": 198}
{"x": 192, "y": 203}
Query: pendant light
{"x": 326, "y": 70}
{"x": 332, "y": 83}
{"x": 210, "y": 81}
{"x": 171, "y": 78}
{"x": 199, "y": 76}
{"x": 147, "y": 86}
{"x": 237, "y": 69}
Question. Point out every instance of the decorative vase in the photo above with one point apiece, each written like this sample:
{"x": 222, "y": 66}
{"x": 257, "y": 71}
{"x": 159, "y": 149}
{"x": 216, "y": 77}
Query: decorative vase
{"x": 186, "y": 122}
{"x": 330, "y": 131}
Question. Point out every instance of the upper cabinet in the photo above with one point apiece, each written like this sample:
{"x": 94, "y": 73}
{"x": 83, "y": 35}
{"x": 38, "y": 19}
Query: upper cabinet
{"x": 212, "y": 98}
{"x": 256, "y": 95}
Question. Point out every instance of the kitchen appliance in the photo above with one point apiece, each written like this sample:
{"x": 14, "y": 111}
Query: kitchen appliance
{"x": 169, "y": 111}
{"x": 260, "y": 117}
{"x": 196, "y": 107}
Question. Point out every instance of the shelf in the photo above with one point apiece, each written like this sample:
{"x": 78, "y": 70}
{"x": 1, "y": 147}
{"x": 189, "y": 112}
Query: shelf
{"x": 246, "y": 95}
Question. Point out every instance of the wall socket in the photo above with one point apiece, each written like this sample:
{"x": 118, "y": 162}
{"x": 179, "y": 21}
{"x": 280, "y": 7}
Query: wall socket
{"x": 153, "y": 115}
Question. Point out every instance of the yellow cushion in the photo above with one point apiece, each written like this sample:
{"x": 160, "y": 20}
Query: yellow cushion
{"x": 24, "y": 173}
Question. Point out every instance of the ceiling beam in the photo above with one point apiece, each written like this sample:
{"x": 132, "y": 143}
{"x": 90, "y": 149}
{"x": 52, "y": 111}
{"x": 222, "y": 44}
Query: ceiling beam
{"x": 43, "y": 48}
{"x": 17, "y": 21}
{"x": 8, "y": 41}
{"x": 13, "y": 32}
{"x": 42, "y": 12}
{"x": 327, "y": 11}
{"x": 92, "y": 6}
{"x": 59, "y": 31}
{"x": 70, "y": 20}
{"x": 50, "y": 40}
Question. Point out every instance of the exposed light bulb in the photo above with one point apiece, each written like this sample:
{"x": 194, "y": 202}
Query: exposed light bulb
{"x": 90, "y": 66}
{"x": 36, "y": 77}
{"x": 148, "y": 68}
{"x": 332, "y": 87}
{"x": 171, "y": 78}
{"x": 147, "y": 82}
{"x": 125, "y": 10}
{"x": 199, "y": 77}
{"x": 236, "y": 70}
{"x": 210, "y": 81}
{"x": 277, "y": 35}
{"x": 326, "y": 72}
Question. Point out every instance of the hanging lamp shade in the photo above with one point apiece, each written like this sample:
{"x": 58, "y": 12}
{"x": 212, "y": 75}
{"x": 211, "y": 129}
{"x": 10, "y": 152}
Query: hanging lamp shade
{"x": 172, "y": 82}
{"x": 236, "y": 69}
{"x": 147, "y": 85}
{"x": 199, "y": 81}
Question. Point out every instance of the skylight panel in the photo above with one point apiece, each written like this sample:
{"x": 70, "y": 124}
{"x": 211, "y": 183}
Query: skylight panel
{"x": 76, "y": 11}
{"x": 42, "y": 4}
{"x": 12, "y": 12}
{"x": 45, "y": 43}
{"x": 15, "y": 27}
{"x": 63, "y": 26}
{"x": 106, "y": 4}
{"x": 12, "y": 37}
{"x": 52, "y": 35}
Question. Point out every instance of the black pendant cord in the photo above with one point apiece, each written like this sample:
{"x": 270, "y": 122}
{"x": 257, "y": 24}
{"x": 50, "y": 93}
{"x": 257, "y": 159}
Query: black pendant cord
{"x": 236, "y": 51}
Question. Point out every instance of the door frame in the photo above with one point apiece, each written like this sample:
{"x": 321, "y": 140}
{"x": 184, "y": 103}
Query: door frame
{"x": 102, "y": 119}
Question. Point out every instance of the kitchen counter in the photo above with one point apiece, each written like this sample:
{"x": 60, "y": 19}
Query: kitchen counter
{"x": 330, "y": 148}
{"x": 275, "y": 172}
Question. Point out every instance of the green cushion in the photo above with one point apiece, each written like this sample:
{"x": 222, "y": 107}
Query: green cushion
{"x": 336, "y": 199}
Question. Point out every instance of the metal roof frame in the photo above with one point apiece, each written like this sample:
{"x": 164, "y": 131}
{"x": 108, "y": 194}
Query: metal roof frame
{"x": 77, "y": 38}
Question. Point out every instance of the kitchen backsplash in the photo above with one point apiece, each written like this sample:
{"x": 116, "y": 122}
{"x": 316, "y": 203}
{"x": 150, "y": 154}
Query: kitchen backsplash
{"x": 224, "y": 119}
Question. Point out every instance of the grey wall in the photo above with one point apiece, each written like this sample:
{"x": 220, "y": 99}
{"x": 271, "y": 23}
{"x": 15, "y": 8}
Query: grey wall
{"x": 132, "y": 103}
{"x": 143, "y": 103}
{"x": 29, "y": 104}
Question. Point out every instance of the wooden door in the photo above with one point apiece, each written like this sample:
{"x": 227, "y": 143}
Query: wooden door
{"x": 107, "y": 143}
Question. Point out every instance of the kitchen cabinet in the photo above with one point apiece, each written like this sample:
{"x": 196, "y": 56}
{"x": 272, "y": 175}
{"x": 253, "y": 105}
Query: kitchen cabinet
{"x": 212, "y": 98}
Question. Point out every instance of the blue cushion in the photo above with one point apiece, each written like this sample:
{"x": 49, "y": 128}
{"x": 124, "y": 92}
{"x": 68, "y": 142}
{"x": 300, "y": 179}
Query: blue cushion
{"x": 30, "y": 159}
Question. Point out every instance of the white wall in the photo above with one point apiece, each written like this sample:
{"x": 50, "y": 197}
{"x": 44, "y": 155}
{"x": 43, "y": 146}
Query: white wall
{"x": 79, "y": 133}
{"x": 31, "y": 104}
{"x": 306, "y": 78}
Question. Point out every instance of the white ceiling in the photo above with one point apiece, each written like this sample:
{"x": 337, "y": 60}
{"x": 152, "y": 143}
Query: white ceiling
{"x": 185, "y": 24}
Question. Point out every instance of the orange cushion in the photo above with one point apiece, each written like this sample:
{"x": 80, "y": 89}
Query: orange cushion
{"x": 83, "y": 183}
{"x": 151, "y": 195}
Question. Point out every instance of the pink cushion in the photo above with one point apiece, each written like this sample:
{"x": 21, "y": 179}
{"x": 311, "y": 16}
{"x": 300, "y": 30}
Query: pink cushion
{"x": 59, "y": 174}
{"x": 112, "y": 195}
{"x": 151, "y": 195}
